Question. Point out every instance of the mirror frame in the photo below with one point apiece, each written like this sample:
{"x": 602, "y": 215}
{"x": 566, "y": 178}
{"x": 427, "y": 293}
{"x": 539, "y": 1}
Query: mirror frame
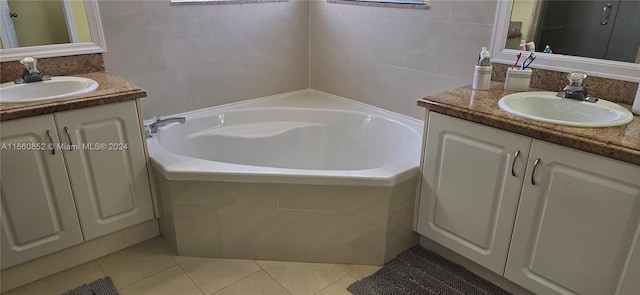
{"x": 96, "y": 46}
{"x": 556, "y": 62}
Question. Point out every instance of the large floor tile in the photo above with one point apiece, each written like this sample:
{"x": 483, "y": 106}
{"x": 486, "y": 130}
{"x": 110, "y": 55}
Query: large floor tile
{"x": 258, "y": 283}
{"x": 168, "y": 282}
{"x": 359, "y": 271}
{"x": 339, "y": 287}
{"x": 213, "y": 274}
{"x": 301, "y": 278}
{"x": 17, "y": 291}
{"x": 66, "y": 280}
{"x": 135, "y": 263}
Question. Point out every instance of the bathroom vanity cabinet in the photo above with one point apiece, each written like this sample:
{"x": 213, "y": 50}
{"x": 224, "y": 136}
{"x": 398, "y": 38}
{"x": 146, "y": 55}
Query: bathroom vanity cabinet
{"x": 93, "y": 182}
{"x": 550, "y": 218}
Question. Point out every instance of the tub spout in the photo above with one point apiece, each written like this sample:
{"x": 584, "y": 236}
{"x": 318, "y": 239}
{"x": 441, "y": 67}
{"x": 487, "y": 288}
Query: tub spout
{"x": 153, "y": 127}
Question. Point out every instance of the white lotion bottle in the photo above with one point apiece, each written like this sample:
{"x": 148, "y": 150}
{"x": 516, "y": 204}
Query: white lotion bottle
{"x": 636, "y": 103}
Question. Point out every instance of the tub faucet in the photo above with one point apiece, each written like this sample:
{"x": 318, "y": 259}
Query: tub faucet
{"x": 31, "y": 73}
{"x": 153, "y": 127}
{"x": 575, "y": 89}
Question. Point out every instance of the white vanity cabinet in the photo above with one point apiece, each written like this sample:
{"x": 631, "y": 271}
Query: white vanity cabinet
{"x": 577, "y": 221}
{"x": 471, "y": 181}
{"x": 577, "y": 224}
{"x": 96, "y": 182}
{"x": 38, "y": 211}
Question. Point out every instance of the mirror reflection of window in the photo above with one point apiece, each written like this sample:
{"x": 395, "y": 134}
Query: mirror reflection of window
{"x": 43, "y": 22}
{"x": 596, "y": 29}
{"x": 39, "y": 22}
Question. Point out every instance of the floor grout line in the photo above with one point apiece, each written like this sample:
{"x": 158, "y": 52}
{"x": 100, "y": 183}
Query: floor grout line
{"x": 278, "y": 282}
{"x": 331, "y": 284}
{"x": 191, "y": 279}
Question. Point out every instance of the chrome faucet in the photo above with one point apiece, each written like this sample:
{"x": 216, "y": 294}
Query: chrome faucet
{"x": 31, "y": 73}
{"x": 575, "y": 89}
{"x": 153, "y": 127}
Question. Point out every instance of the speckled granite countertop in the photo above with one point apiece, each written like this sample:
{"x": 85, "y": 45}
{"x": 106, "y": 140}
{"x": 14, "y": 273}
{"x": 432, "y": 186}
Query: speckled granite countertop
{"x": 112, "y": 89}
{"x": 620, "y": 143}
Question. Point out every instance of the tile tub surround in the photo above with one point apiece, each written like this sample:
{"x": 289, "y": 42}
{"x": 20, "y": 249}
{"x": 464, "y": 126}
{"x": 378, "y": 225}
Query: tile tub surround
{"x": 55, "y": 66}
{"x": 619, "y": 143}
{"x": 609, "y": 89}
{"x": 290, "y": 222}
{"x": 112, "y": 89}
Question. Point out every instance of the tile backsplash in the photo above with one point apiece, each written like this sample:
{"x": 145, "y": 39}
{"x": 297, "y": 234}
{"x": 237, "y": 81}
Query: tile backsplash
{"x": 609, "y": 89}
{"x": 55, "y": 66}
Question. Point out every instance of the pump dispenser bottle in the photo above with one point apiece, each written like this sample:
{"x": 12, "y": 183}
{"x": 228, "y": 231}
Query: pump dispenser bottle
{"x": 482, "y": 73}
{"x": 636, "y": 103}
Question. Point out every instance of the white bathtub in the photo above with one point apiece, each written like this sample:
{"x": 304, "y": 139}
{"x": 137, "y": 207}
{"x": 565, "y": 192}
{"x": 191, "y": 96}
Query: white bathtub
{"x": 336, "y": 141}
{"x": 302, "y": 176}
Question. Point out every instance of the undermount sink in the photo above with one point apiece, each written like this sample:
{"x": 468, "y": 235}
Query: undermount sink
{"x": 56, "y": 88}
{"x": 549, "y": 108}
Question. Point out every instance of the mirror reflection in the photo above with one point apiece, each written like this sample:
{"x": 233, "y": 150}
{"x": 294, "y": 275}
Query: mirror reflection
{"x": 42, "y": 22}
{"x": 596, "y": 29}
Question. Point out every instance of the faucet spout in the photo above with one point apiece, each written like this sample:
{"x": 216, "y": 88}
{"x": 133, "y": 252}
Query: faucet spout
{"x": 575, "y": 89}
{"x": 153, "y": 127}
{"x": 31, "y": 73}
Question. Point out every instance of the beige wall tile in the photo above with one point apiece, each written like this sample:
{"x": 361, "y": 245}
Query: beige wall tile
{"x": 294, "y": 235}
{"x": 197, "y": 230}
{"x": 400, "y": 235}
{"x": 391, "y": 57}
{"x": 329, "y": 197}
{"x": 224, "y": 194}
{"x": 193, "y": 56}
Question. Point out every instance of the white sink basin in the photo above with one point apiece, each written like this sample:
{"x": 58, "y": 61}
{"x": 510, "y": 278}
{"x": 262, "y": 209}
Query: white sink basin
{"x": 547, "y": 107}
{"x": 56, "y": 88}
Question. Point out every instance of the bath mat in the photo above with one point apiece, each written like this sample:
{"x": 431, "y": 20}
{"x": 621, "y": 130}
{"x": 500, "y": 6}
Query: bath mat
{"x": 417, "y": 272}
{"x": 102, "y": 286}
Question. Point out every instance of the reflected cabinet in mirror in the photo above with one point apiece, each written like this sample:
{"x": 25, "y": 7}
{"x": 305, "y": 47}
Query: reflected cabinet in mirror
{"x": 46, "y": 28}
{"x": 595, "y": 36}
{"x": 597, "y": 29}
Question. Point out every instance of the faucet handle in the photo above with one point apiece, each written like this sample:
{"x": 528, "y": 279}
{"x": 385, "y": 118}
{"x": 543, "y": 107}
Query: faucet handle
{"x": 576, "y": 78}
{"x": 29, "y": 63}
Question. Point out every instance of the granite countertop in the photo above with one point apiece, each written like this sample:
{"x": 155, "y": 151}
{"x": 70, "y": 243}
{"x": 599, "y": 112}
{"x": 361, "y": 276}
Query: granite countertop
{"x": 620, "y": 143}
{"x": 111, "y": 89}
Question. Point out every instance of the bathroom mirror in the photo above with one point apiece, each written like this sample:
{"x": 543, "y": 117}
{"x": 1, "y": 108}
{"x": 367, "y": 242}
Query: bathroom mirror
{"x": 601, "y": 67}
{"x": 81, "y": 31}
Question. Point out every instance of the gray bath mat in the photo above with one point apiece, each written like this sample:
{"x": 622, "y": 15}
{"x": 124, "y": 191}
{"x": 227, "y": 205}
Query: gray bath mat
{"x": 418, "y": 272}
{"x": 102, "y": 286}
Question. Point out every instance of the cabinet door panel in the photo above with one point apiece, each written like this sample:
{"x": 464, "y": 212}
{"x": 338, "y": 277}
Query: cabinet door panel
{"x": 38, "y": 212}
{"x": 576, "y": 227}
{"x": 109, "y": 181}
{"x": 468, "y": 195}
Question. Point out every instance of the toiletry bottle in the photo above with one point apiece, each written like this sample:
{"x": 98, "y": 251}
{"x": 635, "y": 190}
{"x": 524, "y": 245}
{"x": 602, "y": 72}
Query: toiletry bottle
{"x": 482, "y": 73}
{"x": 636, "y": 103}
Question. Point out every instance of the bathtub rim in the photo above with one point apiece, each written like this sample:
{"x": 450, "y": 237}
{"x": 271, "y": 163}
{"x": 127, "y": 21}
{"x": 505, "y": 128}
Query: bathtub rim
{"x": 178, "y": 167}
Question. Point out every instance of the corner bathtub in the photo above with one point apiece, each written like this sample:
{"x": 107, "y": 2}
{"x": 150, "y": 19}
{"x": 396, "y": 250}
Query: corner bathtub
{"x": 301, "y": 176}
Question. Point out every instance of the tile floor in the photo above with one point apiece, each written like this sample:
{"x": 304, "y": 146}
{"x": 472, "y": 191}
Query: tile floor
{"x": 152, "y": 268}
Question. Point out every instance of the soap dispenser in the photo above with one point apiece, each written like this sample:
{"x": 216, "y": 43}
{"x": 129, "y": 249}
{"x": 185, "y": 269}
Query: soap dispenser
{"x": 636, "y": 103}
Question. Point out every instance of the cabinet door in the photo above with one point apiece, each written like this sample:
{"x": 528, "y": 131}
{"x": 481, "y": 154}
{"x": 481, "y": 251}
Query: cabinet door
{"x": 577, "y": 226}
{"x": 469, "y": 196}
{"x": 109, "y": 180}
{"x": 38, "y": 213}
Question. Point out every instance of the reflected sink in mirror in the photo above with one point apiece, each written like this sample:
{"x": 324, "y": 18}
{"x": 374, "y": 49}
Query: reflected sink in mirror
{"x": 549, "y": 108}
{"x": 54, "y": 89}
